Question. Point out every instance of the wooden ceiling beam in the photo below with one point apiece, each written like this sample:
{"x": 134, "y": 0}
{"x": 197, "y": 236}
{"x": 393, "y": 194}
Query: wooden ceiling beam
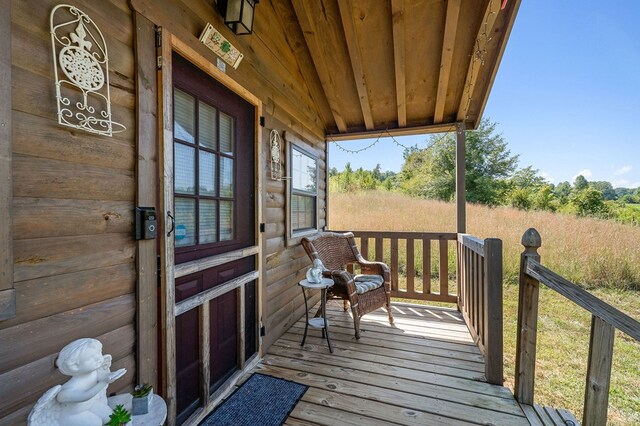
{"x": 297, "y": 44}
{"x": 311, "y": 36}
{"x": 346, "y": 15}
{"x": 448, "y": 44}
{"x": 397, "y": 16}
{"x": 475, "y": 63}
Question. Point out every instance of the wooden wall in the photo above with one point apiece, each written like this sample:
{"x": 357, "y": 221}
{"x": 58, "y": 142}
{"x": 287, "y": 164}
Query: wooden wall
{"x": 74, "y": 193}
{"x": 74, "y": 270}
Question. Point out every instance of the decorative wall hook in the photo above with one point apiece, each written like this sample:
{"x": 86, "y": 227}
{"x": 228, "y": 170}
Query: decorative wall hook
{"x": 81, "y": 68}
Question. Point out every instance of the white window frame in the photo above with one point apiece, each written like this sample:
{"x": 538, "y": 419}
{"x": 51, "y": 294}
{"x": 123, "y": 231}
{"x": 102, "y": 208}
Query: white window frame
{"x": 295, "y": 236}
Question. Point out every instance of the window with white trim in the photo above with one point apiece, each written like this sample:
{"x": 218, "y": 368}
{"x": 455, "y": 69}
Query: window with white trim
{"x": 303, "y": 197}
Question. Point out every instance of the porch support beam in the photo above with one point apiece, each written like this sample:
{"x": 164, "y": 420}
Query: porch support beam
{"x": 397, "y": 13}
{"x": 312, "y": 37}
{"x": 404, "y": 131}
{"x": 461, "y": 212}
{"x": 346, "y": 14}
{"x": 448, "y": 44}
{"x": 475, "y": 64}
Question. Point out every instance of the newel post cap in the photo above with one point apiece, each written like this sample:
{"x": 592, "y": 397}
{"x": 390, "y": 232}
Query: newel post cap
{"x": 531, "y": 239}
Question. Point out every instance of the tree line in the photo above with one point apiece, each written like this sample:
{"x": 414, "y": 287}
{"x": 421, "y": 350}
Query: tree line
{"x": 492, "y": 178}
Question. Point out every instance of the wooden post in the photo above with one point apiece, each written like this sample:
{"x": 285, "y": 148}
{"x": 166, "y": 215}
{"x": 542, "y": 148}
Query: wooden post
{"x": 461, "y": 213}
{"x": 7, "y": 292}
{"x": 527, "y": 321}
{"x": 146, "y": 171}
{"x": 596, "y": 396}
{"x": 493, "y": 339}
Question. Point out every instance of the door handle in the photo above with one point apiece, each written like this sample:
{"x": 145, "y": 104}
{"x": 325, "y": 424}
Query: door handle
{"x": 173, "y": 223}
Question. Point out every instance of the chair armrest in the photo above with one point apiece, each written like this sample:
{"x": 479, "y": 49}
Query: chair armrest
{"x": 375, "y": 268}
{"x": 343, "y": 279}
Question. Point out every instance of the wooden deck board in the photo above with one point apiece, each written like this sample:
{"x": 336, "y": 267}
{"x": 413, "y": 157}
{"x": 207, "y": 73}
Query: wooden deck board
{"x": 548, "y": 416}
{"x": 420, "y": 371}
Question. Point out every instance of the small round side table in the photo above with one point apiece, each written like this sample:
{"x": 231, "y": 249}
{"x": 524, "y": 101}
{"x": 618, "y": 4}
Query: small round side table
{"x": 318, "y": 322}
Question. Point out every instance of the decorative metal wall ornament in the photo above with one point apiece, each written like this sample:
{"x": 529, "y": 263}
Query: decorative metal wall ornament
{"x": 81, "y": 67}
{"x": 275, "y": 142}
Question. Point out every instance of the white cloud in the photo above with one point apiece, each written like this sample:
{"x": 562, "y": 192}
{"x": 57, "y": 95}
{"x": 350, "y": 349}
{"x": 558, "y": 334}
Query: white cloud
{"x": 620, "y": 183}
{"x": 547, "y": 177}
{"x": 586, "y": 173}
{"x": 635, "y": 185}
{"x": 623, "y": 170}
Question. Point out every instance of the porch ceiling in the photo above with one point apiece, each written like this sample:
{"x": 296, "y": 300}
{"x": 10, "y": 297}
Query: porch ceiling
{"x": 407, "y": 66}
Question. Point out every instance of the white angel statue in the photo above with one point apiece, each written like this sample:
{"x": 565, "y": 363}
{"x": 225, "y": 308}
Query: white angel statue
{"x": 314, "y": 274}
{"x": 82, "y": 400}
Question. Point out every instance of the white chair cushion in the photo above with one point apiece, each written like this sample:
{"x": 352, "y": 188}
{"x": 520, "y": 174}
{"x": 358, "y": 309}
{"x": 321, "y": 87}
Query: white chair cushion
{"x": 365, "y": 283}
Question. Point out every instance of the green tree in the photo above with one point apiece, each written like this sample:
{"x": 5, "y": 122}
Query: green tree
{"x": 608, "y": 193}
{"x": 520, "y": 198}
{"x": 430, "y": 172}
{"x": 588, "y": 202}
{"x": 580, "y": 183}
{"x": 544, "y": 198}
{"x": 562, "y": 191}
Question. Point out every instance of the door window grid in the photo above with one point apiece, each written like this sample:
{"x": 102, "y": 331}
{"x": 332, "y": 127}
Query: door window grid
{"x": 204, "y": 211}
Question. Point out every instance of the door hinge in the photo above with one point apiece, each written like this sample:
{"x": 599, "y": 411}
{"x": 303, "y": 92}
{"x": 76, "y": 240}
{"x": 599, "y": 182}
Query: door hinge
{"x": 159, "y": 48}
{"x": 262, "y": 121}
{"x": 263, "y": 227}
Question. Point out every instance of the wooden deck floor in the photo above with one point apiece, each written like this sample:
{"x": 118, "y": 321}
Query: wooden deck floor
{"x": 423, "y": 370}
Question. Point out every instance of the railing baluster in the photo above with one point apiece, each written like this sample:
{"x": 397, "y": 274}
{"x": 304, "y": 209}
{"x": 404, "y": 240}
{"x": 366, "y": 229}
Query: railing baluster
{"x": 394, "y": 264}
{"x": 411, "y": 270}
{"x": 364, "y": 247}
{"x": 493, "y": 317}
{"x": 444, "y": 267}
{"x": 527, "y": 321}
{"x": 596, "y": 397}
{"x": 426, "y": 265}
{"x": 379, "y": 249}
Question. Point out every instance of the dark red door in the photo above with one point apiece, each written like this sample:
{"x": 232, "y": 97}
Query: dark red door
{"x": 214, "y": 197}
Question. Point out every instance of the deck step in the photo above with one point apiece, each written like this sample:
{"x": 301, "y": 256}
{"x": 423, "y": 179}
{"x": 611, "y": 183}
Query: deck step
{"x": 548, "y": 416}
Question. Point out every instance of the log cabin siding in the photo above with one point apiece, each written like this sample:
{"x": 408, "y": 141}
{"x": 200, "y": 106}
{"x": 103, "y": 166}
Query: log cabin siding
{"x": 74, "y": 192}
{"x": 73, "y": 197}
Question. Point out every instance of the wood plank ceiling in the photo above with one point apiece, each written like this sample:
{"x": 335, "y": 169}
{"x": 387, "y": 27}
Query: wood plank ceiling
{"x": 406, "y": 66}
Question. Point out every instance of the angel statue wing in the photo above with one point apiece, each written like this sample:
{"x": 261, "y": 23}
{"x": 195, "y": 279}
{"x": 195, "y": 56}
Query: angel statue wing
{"x": 47, "y": 410}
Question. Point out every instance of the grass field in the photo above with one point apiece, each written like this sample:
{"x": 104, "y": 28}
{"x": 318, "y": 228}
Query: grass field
{"x": 602, "y": 256}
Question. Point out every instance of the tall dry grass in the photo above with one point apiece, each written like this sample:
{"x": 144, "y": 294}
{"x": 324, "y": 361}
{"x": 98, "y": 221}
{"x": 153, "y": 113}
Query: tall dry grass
{"x": 600, "y": 255}
{"x": 590, "y": 252}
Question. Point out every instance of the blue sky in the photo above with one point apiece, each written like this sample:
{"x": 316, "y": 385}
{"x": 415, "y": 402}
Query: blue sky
{"x": 566, "y": 97}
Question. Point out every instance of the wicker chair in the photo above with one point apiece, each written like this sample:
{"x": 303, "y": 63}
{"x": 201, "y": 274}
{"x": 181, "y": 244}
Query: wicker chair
{"x": 336, "y": 250}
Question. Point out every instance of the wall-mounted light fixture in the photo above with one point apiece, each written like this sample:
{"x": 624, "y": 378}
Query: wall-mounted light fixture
{"x": 238, "y": 15}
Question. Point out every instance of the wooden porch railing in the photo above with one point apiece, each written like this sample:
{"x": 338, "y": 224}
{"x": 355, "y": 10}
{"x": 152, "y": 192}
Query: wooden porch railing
{"x": 604, "y": 321}
{"x": 480, "y": 298}
{"x": 476, "y": 280}
{"x": 388, "y": 247}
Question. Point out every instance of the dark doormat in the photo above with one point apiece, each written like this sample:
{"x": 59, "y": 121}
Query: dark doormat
{"x": 260, "y": 401}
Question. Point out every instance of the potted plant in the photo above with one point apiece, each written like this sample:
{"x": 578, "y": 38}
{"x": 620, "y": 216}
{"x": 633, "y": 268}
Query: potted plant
{"x": 119, "y": 417}
{"x": 142, "y": 395}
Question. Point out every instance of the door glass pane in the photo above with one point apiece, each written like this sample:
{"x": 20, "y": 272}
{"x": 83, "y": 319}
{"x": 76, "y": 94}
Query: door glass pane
{"x": 226, "y": 177}
{"x": 185, "y": 176}
{"x": 207, "y": 173}
{"x": 208, "y": 222}
{"x": 184, "y": 116}
{"x": 226, "y": 220}
{"x": 185, "y": 222}
{"x": 207, "y": 125}
{"x": 226, "y": 133}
